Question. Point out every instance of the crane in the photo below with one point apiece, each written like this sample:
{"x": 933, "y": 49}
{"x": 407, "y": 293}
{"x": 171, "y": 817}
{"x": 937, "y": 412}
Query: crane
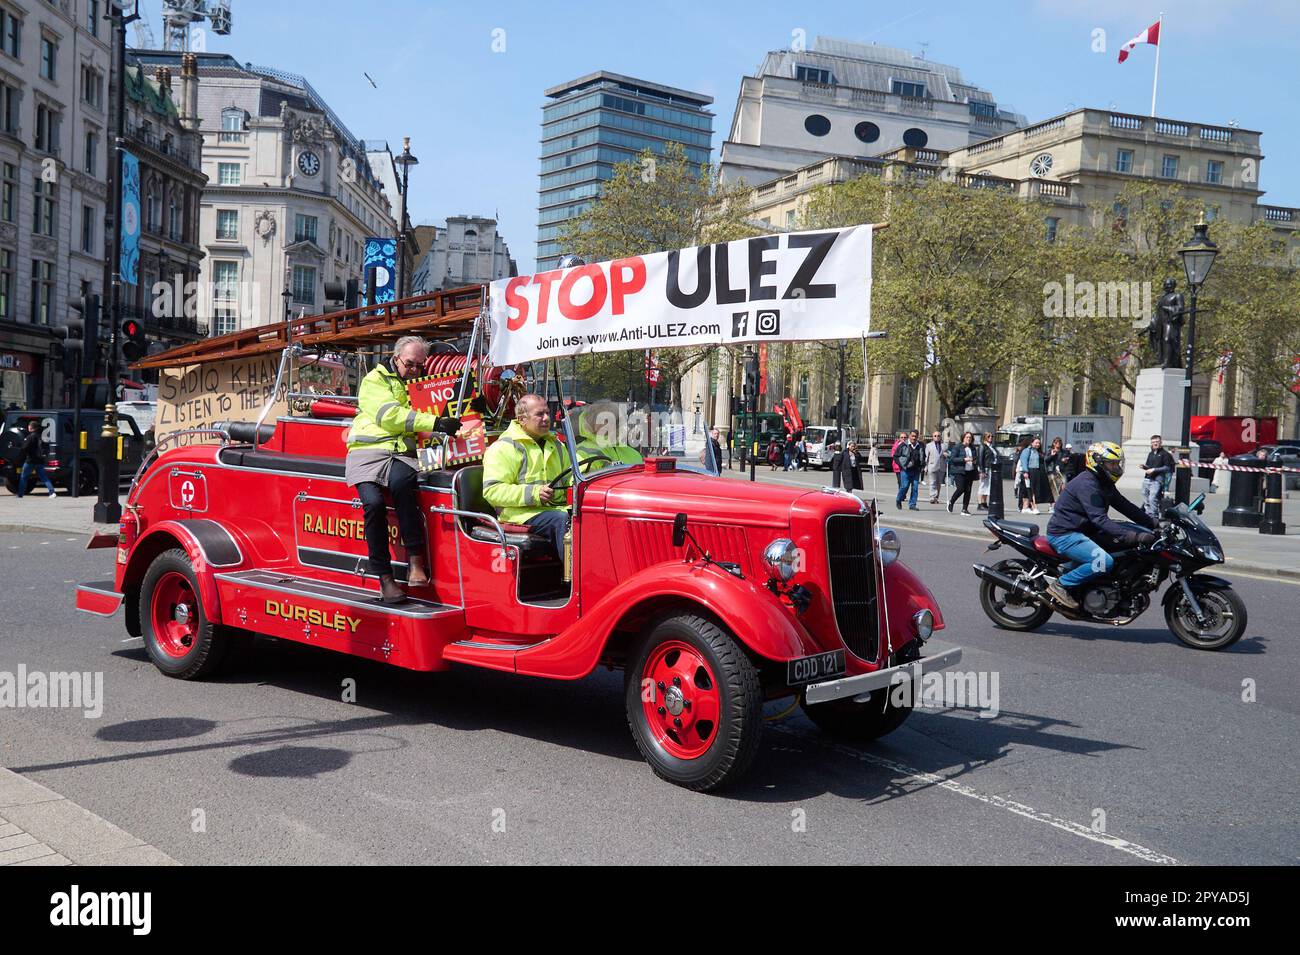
{"x": 177, "y": 16}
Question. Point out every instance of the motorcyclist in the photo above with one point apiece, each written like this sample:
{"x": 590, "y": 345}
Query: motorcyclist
{"x": 1080, "y": 520}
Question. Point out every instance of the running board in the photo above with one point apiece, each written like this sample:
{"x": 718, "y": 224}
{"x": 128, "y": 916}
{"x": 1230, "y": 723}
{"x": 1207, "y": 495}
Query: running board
{"x": 342, "y": 594}
{"x": 411, "y": 634}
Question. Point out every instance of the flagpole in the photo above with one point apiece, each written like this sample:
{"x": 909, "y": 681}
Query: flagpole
{"x": 1160, "y": 41}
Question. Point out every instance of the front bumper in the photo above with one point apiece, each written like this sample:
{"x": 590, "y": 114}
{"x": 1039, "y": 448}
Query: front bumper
{"x": 866, "y": 682}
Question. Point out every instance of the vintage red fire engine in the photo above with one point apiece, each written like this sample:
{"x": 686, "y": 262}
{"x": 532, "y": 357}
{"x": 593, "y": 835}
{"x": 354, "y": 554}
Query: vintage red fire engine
{"x": 712, "y": 595}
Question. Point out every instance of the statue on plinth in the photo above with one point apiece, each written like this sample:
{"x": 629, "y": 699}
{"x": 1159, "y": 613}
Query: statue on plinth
{"x": 1165, "y": 334}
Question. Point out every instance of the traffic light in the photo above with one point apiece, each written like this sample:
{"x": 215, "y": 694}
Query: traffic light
{"x": 86, "y": 312}
{"x": 134, "y": 345}
{"x": 751, "y": 380}
{"x": 71, "y": 339}
{"x": 341, "y": 296}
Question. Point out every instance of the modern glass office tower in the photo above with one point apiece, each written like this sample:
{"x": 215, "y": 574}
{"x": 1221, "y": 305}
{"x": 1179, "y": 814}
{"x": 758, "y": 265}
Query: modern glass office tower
{"x": 604, "y": 118}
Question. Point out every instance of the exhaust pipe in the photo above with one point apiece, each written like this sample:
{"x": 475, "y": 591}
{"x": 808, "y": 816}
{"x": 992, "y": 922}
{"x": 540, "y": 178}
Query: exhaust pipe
{"x": 1006, "y": 583}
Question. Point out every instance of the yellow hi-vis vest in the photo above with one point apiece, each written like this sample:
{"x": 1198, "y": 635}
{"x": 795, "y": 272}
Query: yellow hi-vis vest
{"x": 514, "y": 467}
{"x": 385, "y": 420}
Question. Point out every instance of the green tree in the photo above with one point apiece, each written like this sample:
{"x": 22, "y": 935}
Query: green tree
{"x": 957, "y": 278}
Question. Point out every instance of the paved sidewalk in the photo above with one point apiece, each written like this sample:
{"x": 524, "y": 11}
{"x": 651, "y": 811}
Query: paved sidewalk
{"x": 40, "y": 827}
{"x": 1246, "y": 549}
{"x": 39, "y": 513}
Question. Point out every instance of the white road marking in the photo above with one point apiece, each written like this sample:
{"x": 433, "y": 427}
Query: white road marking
{"x": 1019, "y": 809}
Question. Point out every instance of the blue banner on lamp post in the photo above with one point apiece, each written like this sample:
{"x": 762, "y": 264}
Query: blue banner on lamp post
{"x": 381, "y": 255}
{"x": 129, "y": 264}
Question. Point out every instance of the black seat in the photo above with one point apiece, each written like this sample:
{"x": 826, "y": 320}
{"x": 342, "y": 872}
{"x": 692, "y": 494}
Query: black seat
{"x": 467, "y": 495}
{"x": 279, "y": 461}
{"x": 1023, "y": 528}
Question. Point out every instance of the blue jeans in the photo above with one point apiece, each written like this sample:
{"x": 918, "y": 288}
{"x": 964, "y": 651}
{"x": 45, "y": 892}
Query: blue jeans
{"x": 28, "y": 468}
{"x": 553, "y": 525}
{"x": 1091, "y": 558}
{"x": 908, "y": 479}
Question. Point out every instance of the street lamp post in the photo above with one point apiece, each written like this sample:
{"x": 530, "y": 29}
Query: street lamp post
{"x": 108, "y": 510}
{"x": 1198, "y": 257}
{"x": 288, "y": 297}
{"x": 406, "y": 160}
{"x": 699, "y": 403}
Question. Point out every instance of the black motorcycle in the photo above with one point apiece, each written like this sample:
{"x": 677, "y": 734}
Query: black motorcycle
{"x": 1203, "y": 611}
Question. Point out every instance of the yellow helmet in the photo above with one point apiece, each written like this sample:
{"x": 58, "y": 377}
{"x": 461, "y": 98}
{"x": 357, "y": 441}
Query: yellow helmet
{"x": 1106, "y": 459}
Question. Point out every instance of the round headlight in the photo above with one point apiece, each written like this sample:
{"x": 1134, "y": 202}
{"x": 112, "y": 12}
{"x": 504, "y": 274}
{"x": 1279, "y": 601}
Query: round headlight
{"x": 781, "y": 558}
{"x": 887, "y": 540}
{"x": 923, "y": 621}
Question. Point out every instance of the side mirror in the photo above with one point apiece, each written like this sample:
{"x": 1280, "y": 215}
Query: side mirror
{"x": 679, "y": 530}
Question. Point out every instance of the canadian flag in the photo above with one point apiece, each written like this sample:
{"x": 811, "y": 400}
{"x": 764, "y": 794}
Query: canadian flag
{"x": 1150, "y": 35}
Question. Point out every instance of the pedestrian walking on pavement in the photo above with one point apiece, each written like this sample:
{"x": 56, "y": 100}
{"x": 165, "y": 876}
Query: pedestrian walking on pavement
{"x": 936, "y": 465}
{"x": 1052, "y": 464}
{"x": 711, "y": 456}
{"x": 987, "y": 465}
{"x": 963, "y": 465}
{"x": 909, "y": 459}
{"x": 1031, "y": 472}
{"x": 901, "y": 439}
{"x": 774, "y": 453}
{"x": 32, "y": 458}
{"x": 844, "y": 468}
{"x": 1156, "y": 475}
{"x": 1220, "y": 462}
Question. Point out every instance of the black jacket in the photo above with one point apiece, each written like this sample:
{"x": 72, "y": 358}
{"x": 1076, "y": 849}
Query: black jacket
{"x": 33, "y": 449}
{"x": 910, "y": 457}
{"x": 844, "y": 474}
{"x": 1083, "y": 505}
{"x": 1161, "y": 461}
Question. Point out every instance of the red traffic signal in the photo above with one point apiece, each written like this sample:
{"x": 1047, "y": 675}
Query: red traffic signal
{"x": 134, "y": 345}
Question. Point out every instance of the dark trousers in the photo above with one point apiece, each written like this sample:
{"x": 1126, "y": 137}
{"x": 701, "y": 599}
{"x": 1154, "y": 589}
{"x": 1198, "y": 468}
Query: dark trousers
{"x": 552, "y": 525}
{"x": 964, "y": 481}
{"x": 403, "y": 486}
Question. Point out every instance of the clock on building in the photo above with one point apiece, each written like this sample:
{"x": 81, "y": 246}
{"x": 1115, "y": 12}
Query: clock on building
{"x": 1041, "y": 165}
{"x": 308, "y": 163}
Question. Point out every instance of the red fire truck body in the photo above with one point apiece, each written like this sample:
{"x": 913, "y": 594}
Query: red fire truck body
{"x": 713, "y": 595}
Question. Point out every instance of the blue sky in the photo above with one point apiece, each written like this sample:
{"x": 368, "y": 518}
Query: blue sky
{"x": 473, "y": 114}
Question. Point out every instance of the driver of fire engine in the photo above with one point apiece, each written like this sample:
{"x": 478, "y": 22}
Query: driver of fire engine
{"x": 1079, "y": 521}
{"x": 381, "y": 454}
{"x": 519, "y": 469}
{"x": 596, "y": 431}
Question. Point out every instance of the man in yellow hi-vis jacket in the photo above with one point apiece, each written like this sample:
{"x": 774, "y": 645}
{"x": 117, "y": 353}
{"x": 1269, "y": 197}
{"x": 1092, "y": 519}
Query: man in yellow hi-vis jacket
{"x": 381, "y": 453}
{"x": 518, "y": 470}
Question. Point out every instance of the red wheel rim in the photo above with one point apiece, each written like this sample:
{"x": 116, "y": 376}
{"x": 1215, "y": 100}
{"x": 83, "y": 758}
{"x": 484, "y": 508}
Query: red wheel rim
{"x": 680, "y": 699}
{"x": 174, "y": 612}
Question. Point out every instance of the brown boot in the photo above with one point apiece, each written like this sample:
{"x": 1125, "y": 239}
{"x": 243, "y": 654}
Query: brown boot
{"x": 389, "y": 592}
{"x": 418, "y": 574}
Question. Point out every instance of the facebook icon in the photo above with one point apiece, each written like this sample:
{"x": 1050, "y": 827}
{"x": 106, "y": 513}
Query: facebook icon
{"x": 739, "y": 324}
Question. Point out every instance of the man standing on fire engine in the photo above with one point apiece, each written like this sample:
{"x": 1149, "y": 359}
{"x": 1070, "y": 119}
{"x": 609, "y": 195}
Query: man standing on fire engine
{"x": 518, "y": 470}
{"x": 381, "y": 454}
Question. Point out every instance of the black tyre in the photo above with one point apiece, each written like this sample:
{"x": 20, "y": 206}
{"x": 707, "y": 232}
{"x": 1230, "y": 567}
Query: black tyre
{"x": 861, "y": 722}
{"x": 1225, "y": 622}
{"x": 11, "y": 484}
{"x": 182, "y": 642}
{"x": 1008, "y": 610}
{"x": 694, "y": 702}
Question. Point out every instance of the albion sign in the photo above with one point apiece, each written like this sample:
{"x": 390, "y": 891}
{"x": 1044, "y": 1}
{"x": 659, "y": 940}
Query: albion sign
{"x": 797, "y": 286}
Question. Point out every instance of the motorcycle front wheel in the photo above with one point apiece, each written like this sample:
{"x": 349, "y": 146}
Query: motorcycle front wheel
{"x": 1225, "y": 619}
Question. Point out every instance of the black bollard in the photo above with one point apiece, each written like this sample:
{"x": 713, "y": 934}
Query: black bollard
{"x": 1183, "y": 478}
{"x": 996, "y": 510}
{"x": 1242, "y": 510}
{"x": 1272, "y": 522}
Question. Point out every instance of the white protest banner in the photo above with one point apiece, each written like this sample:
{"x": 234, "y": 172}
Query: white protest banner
{"x": 796, "y": 286}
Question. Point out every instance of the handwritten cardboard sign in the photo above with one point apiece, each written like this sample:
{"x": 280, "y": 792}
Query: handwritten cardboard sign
{"x": 197, "y": 396}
